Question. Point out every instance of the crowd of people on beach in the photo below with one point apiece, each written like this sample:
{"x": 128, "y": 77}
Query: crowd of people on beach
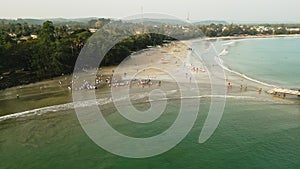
{"x": 242, "y": 87}
{"x": 197, "y": 70}
{"x": 113, "y": 82}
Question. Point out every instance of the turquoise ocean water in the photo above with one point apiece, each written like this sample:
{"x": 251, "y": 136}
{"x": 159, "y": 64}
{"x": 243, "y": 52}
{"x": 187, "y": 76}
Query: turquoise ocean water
{"x": 274, "y": 60}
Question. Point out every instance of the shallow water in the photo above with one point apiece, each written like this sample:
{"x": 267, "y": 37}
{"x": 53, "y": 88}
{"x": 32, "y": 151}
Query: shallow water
{"x": 250, "y": 135}
{"x": 273, "y": 60}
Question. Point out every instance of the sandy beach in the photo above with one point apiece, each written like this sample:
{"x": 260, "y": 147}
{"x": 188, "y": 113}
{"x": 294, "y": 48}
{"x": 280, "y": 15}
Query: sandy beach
{"x": 158, "y": 64}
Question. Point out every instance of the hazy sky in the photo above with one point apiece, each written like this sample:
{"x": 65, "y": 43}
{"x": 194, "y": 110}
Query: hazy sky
{"x": 229, "y": 10}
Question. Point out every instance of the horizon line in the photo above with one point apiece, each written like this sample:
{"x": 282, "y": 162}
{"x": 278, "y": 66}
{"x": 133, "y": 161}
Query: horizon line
{"x": 192, "y": 20}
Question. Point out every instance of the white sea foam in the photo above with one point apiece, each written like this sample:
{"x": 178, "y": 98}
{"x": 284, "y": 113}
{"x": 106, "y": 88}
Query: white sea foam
{"x": 246, "y": 77}
{"x": 55, "y": 108}
{"x": 221, "y": 63}
{"x": 224, "y": 52}
{"x": 79, "y": 104}
{"x": 207, "y": 96}
{"x": 229, "y": 43}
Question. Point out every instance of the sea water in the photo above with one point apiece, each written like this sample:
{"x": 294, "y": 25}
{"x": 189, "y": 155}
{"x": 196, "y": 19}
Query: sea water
{"x": 253, "y": 133}
{"x": 272, "y": 60}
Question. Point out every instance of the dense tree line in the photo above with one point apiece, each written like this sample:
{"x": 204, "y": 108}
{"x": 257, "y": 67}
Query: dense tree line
{"x": 218, "y": 30}
{"x": 55, "y": 51}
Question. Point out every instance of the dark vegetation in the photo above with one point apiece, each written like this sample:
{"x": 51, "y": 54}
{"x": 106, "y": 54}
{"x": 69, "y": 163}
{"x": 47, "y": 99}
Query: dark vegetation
{"x": 26, "y": 59}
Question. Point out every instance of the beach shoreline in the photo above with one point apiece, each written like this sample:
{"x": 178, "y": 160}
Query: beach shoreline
{"x": 187, "y": 42}
{"x": 253, "y": 36}
{"x": 172, "y": 58}
{"x": 190, "y": 41}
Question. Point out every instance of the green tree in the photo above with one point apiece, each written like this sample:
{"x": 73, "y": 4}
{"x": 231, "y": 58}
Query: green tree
{"x": 47, "y": 32}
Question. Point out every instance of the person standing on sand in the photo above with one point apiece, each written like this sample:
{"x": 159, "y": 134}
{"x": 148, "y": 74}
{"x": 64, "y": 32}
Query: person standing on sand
{"x": 149, "y": 83}
{"x": 260, "y": 90}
